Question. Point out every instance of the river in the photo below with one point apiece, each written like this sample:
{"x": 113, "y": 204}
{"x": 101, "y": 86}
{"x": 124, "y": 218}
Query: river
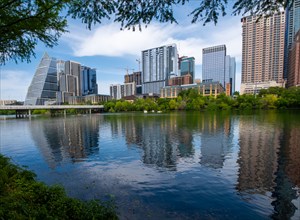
{"x": 182, "y": 165}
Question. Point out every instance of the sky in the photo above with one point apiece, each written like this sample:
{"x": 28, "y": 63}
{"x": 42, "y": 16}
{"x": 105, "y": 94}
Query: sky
{"x": 111, "y": 50}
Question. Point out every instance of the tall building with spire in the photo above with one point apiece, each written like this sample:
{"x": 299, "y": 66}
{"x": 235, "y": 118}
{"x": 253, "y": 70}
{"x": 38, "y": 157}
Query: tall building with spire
{"x": 43, "y": 86}
{"x": 262, "y": 52}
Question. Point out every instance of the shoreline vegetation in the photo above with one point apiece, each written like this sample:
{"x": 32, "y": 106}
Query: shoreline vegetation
{"x": 22, "y": 197}
{"x": 190, "y": 100}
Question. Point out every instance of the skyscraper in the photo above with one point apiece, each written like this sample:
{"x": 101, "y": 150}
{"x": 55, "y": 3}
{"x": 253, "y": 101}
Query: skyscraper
{"x": 135, "y": 77}
{"x": 43, "y": 86}
{"x": 292, "y": 27}
{"x": 213, "y": 64}
{"x": 158, "y": 65}
{"x": 230, "y": 70}
{"x": 69, "y": 80}
{"x": 116, "y": 91}
{"x": 294, "y": 63}
{"x": 89, "y": 81}
{"x": 263, "y": 52}
{"x": 218, "y": 67}
{"x": 187, "y": 66}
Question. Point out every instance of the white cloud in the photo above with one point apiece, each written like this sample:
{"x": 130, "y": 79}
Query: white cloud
{"x": 14, "y": 84}
{"x": 109, "y": 40}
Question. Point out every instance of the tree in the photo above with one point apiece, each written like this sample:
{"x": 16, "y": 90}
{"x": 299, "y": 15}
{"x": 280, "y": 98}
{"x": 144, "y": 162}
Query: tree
{"x": 25, "y": 22}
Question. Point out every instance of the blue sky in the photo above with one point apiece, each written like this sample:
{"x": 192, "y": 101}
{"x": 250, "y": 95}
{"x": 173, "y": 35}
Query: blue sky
{"x": 111, "y": 51}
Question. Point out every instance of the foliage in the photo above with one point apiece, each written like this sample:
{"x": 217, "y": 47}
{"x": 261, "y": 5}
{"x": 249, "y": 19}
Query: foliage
{"x": 40, "y": 111}
{"x": 21, "y": 197}
{"x": 7, "y": 112}
{"x": 272, "y": 98}
{"x": 24, "y": 22}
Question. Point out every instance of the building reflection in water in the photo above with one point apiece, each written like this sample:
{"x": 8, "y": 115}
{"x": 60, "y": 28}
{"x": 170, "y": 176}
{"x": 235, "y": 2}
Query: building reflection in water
{"x": 269, "y": 161}
{"x": 66, "y": 138}
{"x": 216, "y": 139}
{"x": 286, "y": 193}
{"x": 165, "y": 139}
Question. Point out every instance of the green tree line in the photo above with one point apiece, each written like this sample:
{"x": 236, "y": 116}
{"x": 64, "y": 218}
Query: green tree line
{"x": 272, "y": 98}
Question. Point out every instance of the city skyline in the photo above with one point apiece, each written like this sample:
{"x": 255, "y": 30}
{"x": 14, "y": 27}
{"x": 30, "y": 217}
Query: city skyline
{"x": 111, "y": 51}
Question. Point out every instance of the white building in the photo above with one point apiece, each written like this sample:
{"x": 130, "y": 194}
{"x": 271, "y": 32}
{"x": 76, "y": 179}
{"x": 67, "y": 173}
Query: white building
{"x": 116, "y": 91}
{"x": 158, "y": 65}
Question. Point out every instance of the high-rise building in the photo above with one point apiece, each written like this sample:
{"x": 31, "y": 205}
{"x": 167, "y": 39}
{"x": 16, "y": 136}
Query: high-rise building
{"x": 263, "y": 50}
{"x": 292, "y": 27}
{"x": 213, "y": 64}
{"x": 230, "y": 70}
{"x": 129, "y": 89}
{"x": 187, "y": 66}
{"x": 218, "y": 67}
{"x": 294, "y": 63}
{"x": 158, "y": 65}
{"x": 89, "y": 81}
{"x": 43, "y": 86}
{"x": 135, "y": 77}
{"x": 69, "y": 80}
{"x": 116, "y": 91}
{"x": 57, "y": 80}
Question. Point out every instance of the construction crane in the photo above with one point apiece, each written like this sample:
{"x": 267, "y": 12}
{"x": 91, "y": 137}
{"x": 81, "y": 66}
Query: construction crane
{"x": 127, "y": 69}
{"x": 139, "y": 61}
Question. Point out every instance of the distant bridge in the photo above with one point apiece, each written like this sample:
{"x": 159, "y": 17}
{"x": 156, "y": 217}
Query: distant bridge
{"x": 26, "y": 110}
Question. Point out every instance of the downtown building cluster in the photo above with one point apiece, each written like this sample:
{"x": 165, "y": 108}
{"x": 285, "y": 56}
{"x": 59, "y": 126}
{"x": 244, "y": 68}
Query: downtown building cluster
{"x": 57, "y": 82}
{"x": 270, "y": 57}
{"x": 271, "y": 50}
{"x": 164, "y": 74}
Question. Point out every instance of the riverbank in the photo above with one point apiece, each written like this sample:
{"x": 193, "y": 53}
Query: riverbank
{"x": 22, "y": 197}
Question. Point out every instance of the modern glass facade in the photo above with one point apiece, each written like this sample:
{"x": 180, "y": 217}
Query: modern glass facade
{"x": 187, "y": 66}
{"x": 43, "y": 86}
{"x": 230, "y": 70}
{"x": 158, "y": 65}
{"x": 58, "y": 80}
{"x": 89, "y": 81}
{"x": 213, "y": 64}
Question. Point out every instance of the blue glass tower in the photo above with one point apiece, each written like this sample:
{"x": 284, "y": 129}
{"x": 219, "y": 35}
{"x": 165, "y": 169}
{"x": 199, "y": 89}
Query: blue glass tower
{"x": 213, "y": 64}
{"x": 187, "y": 66}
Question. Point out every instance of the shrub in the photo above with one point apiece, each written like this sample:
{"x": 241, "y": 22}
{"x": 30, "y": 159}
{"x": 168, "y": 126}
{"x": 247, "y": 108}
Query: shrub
{"x": 22, "y": 197}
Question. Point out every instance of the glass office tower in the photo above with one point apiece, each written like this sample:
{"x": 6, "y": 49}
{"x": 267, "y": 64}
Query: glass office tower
{"x": 187, "y": 66}
{"x": 43, "y": 86}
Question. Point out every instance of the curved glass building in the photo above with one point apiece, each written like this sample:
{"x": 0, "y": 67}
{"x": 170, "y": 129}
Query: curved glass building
{"x": 43, "y": 86}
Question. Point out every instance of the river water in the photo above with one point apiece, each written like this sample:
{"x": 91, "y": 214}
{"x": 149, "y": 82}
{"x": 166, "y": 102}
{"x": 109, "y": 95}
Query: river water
{"x": 168, "y": 166}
